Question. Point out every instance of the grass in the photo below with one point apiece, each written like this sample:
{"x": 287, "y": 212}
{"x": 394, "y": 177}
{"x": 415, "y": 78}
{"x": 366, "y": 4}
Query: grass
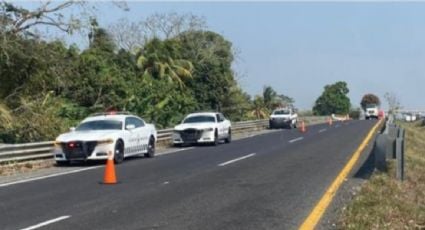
{"x": 13, "y": 168}
{"x": 386, "y": 203}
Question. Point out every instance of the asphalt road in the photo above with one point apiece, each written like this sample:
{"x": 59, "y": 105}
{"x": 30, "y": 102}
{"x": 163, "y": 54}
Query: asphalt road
{"x": 270, "y": 181}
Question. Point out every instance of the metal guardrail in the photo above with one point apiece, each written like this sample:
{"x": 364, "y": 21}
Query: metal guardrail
{"x": 389, "y": 144}
{"x": 43, "y": 150}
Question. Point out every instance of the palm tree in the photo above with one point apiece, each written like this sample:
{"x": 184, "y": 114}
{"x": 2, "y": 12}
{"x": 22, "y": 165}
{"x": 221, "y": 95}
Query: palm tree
{"x": 271, "y": 98}
{"x": 156, "y": 61}
{"x": 259, "y": 108}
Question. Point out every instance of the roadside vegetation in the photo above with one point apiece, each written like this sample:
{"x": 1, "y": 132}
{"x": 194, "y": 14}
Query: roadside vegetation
{"x": 160, "y": 68}
{"x": 386, "y": 203}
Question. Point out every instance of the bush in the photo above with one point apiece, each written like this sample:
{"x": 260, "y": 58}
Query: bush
{"x": 35, "y": 120}
{"x": 355, "y": 114}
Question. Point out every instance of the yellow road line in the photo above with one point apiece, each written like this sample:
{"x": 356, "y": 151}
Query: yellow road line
{"x": 314, "y": 217}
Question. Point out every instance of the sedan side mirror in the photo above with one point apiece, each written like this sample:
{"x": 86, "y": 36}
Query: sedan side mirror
{"x": 130, "y": 127}
{"x": 72, "y": 129}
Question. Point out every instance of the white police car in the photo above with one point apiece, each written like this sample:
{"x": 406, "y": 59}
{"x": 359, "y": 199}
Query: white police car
{"x": 118, "y": 133}
{"x": 206, "y": 127}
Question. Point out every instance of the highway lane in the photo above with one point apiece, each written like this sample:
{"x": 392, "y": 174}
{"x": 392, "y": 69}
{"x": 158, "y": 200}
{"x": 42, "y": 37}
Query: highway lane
{"x": 275, "y": 182}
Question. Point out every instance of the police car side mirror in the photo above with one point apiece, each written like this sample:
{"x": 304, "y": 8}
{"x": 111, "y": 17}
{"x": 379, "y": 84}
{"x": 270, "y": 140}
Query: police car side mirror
{"x": 130, "y": 127}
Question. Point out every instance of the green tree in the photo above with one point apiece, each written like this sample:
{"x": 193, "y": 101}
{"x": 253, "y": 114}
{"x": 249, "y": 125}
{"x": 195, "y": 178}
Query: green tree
{"x": 334, "y": 99}
{"x": 100, "y": 38}
{"x": 369, "y": 99}
{"x": 162, "y": 102}
{"x": 238, "y": 104}
{"x": 270, "y": 97}
{"x": 285, "y": 100}
{"x": 160, "y": 60}
{"x": 273, "y": 100}
{"x": 103, "y": 79}
{"x": 212, "y": 57}
{"x": 259, "y": 108}
{"x": 5, "y": 115}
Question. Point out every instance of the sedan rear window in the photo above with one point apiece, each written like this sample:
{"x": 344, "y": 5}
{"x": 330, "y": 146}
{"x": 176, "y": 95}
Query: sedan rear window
{"x": 100, "y": 125}
{"x": 199, "y": 119}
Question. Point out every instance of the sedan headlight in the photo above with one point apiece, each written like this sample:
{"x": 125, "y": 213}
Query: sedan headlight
{"x": 208, "y": 129}
{"x": 106, "y": 141}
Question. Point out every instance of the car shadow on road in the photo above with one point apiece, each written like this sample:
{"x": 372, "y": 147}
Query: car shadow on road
{"x": 81, "y": 164}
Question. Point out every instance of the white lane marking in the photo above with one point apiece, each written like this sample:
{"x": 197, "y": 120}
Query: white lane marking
{"x": 322, "y": 130}
{"x": 48, "y": 176}
{"x": 237, "y": 159}
{"x": 175, "y": 151}
{"x": 166, "y": 182}
{"x": 46, "y": 223}
{"x": 296, "y": 139}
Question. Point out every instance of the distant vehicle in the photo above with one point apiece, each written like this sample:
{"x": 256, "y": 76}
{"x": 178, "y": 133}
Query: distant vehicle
{"x": 371, "y": 111}
{"x": 206, "y": 127}
{"x": 381, "y": 114}
{"x": 283, "y": 118}
{"x": 409, "y": 117}
{"x": 119, "y": 133}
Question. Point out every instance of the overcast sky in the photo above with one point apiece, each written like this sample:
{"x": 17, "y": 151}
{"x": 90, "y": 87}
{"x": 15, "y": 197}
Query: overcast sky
{"x": 298, "y": 48}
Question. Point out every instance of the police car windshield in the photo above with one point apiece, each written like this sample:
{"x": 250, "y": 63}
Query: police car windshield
{"x": 199, "y": 119}
{"x": 370, "y": 106}
{"x": 100, "y": 125}
{"x": 281, "y": 112}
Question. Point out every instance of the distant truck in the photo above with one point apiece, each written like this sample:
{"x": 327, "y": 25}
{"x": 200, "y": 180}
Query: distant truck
{"x": 283, "y": 118}
{"x": 371, "y": 111}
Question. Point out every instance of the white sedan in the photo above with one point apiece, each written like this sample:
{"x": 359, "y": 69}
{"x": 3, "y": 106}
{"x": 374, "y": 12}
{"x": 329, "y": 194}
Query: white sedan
{"x": 117, "y": 133}
{"x": 207, "y": 127}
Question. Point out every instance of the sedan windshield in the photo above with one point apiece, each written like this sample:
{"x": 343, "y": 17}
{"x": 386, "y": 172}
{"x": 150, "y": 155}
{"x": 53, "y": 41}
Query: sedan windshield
{"x": 281, "y": 112}
{"x": 100, "y": 125}
{"x": 371, "y": 106}
{"x": 198, "y": 119}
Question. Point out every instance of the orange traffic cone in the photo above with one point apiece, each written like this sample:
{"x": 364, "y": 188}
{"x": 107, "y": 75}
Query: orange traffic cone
{"x": 110, "y": 177}
{"x": 330, "y": 121}
{"x": 303, "y": 129}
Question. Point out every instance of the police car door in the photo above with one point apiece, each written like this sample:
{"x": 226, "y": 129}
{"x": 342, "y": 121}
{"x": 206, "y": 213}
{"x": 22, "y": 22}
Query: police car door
{"x": 132, "y": 136}
{"x": 221, "y": 125}
{"x": 142, "y": 135}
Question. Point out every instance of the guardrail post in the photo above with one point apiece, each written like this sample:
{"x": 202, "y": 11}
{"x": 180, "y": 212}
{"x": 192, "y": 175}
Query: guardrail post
{"x": 392, "y": 135}
{"x": 400, "y": 153}
{"x": 401, "y": 133}
{"x": 380, "y": 152}
{"x": 400, "y": 158}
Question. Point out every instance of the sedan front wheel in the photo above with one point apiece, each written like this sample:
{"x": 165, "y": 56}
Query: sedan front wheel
{"x": 151, "y": 148}
{"x": 119, "y": 152}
